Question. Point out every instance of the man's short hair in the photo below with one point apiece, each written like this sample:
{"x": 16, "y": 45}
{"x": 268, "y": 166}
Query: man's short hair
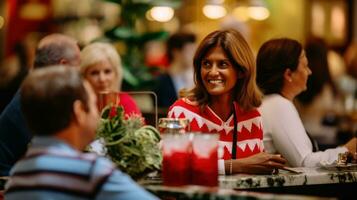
{"x": 53, "y": 49}
{"x": 47, "y": 97}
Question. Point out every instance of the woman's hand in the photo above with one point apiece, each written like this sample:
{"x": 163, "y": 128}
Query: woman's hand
{"x": 262, "y": 163}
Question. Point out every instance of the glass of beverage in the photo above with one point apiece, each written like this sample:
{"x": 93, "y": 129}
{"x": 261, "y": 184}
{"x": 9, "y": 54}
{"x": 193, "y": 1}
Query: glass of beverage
{"x": 107, "y": 98}
{"x": 204, "y": 160}
{"x": 173, "y": 125}
{"x": 176, "y": 162}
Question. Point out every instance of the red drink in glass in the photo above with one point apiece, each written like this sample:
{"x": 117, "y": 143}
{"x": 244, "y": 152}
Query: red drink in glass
{"x": 176, "y": 161}
{"x": 205, "y": 160}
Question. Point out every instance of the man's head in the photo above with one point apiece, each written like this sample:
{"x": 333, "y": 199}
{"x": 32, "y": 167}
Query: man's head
{"x": 57, "y": 49}
{"x": 55, "y": 99}
{"x": 181, "y": 47}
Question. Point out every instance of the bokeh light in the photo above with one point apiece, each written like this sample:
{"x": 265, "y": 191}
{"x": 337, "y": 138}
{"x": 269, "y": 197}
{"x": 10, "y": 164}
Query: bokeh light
{"x": 214, "y": 11}
{"x": 162, "y": 13}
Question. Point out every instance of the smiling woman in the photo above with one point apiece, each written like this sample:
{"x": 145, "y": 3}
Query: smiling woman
{"x": 218, "y": 74}
{"x": 224, "y": 101}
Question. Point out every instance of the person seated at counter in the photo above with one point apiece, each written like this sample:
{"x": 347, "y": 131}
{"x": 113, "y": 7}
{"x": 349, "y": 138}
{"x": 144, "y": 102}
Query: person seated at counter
{"x": 282, "y": 73}
{"x": 15, "y": 136}
{"x": 225, "y": 100}
{"x": 60, "y": 108}
{"x": 101, "y": 67}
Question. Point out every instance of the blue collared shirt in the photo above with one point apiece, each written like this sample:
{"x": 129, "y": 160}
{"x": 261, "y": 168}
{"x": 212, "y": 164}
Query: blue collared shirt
{"x": 52, "y": 169}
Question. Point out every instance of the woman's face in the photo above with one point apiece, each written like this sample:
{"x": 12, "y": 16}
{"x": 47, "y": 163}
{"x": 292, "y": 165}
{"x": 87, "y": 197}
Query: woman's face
{"x": 218, "y": 74}
{"x": 102, "y": 76}
{"x": 300, "y": 75}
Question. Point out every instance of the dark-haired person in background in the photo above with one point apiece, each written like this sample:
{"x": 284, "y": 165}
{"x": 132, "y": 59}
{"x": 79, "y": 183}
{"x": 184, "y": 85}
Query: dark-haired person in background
{"x": 282, "y": 73}
{"x": 14, "y": 134}
{"x": 13, "y": 70}
{"x": 61, "y": 111}
{"x": 320, "y": 102}
{"x": 180, "y": 51}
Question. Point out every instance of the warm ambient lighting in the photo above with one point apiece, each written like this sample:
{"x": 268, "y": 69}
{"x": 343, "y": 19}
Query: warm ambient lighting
{"x": 1, "y": 21}
{"x": 241, "y": 13}
{"x": 258, "y": 13}
{"x": 148, "y": 16}
{"x": 33, "y": 11}
{"x": 162, "y": 13}
{"x": 338, "y": 22}
{"x": 214, "y": 11}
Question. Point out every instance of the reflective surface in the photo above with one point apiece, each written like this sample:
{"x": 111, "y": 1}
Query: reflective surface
{"x": 173, "y": 125}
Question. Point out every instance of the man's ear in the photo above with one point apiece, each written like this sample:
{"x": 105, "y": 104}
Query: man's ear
{"x": 288, "y": 75}
{"x": 79, "y": 112}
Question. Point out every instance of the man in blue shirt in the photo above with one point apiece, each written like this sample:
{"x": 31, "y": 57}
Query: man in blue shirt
{"x": 14, "y": 134}
{"x": 61, "y": 110}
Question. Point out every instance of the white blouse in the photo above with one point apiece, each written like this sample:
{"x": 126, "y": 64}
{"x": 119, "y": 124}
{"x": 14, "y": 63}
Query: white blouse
{"x": 285, "y": 134}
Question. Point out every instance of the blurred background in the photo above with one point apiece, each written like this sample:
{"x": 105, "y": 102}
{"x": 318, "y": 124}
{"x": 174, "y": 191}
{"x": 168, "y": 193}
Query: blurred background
{"x": 139, "y": 30}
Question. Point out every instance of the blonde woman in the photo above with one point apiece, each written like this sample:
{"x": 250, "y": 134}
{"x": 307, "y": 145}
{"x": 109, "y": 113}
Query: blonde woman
{"x": 101, "y": 67}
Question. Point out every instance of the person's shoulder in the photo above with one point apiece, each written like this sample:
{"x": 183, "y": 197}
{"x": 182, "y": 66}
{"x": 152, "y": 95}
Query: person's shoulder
{"x": 164, "y": 78}
{"x": 247, "y": 114}
{"x": 14, "y": 106}
{"x": 100, "y": 166}
{"x": 276, "y": 100}
{"x": 184, "y": 105}
{"x": 98, "y": 160}
{"x": 124, "y": 95}
{"x": 275, "y": 103}
{"x": 185, "y": 102}
{"x": 126, "y": 100}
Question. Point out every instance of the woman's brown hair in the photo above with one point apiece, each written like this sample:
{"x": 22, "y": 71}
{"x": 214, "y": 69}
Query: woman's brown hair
{"x": 274, "y": 58}
{"x": 237, "y": 50}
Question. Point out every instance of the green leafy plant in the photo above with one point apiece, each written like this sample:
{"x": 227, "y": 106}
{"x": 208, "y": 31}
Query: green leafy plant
{"x": 134, "y": 33}
{"x": 130, "y": 144}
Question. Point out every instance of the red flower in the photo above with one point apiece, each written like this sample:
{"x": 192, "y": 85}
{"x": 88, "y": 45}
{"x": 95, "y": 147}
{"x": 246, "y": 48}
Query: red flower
{"x": 113, "y": 112}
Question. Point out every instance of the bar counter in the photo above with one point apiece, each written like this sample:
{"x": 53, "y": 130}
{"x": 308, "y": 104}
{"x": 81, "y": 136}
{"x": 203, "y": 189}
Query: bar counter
{"x": 323, "y": 182}
{"x": 203, "y": 193}
{"x": 309, "y": 176}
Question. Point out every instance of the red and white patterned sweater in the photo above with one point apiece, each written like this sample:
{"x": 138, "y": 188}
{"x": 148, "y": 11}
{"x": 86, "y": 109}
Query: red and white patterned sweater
{"x": 250, "y": 131}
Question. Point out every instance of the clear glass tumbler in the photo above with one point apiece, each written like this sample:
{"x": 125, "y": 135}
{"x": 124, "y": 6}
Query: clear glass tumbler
{"x": 204, "y": 160}
{"x": 173, "y": 125}
{"x": 176, "y": 162}
{"x": 107, "y": 98}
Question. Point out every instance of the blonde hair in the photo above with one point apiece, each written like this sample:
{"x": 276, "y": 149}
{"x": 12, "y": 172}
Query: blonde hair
{"x": 97, "y": 52}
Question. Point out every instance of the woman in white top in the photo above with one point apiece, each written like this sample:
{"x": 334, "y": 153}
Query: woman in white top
{"x": 282, "y": 73}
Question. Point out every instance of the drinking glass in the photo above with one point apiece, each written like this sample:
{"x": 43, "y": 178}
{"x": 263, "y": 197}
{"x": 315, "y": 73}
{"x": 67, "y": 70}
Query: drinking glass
{"x": 204, "y": 161}
{"x": 173, "y": 125}
{"x": 107, "y": 98}
{"x": 176, "y": 162}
